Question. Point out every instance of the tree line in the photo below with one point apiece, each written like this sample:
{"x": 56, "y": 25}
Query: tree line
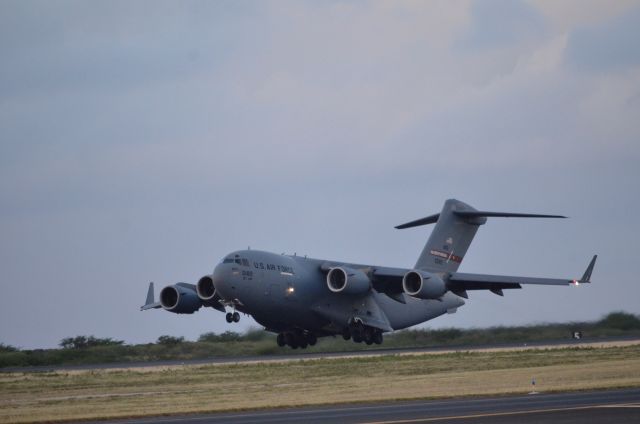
{"x": 91, "y": 349}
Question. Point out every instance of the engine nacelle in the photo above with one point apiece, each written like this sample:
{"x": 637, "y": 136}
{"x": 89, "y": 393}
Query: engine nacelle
{"x": 348, "y": 281}
{"x": 423, "y": 285}
{"x": 205, "y": 288}
{"x": 179, "y": 299}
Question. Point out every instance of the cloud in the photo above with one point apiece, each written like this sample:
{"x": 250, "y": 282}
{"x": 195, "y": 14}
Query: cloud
{"x": 501, "y": 24}
{"x": 609, "y": 45}
{"x": 564, "y": 16}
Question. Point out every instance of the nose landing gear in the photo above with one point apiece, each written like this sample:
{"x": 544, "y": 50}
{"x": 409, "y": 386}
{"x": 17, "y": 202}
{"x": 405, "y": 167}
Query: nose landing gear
{"x": 233, "y": 317}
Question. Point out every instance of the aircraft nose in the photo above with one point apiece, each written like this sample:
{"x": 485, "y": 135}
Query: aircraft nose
{"x": 218, "y": 276}
{"x": 223, "y": 281}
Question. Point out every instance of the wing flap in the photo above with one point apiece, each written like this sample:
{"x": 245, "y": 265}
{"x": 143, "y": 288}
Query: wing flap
{"x": 464, "y": 281}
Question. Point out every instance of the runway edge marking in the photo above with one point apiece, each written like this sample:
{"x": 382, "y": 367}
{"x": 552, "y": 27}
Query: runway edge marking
{"x": 500, "y": 414}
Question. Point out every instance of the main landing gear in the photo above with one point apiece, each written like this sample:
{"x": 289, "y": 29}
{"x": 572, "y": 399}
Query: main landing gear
{"x": 362, "y": 333}
{"x": 233, "y": 317}
{"x": 296, "y": 339}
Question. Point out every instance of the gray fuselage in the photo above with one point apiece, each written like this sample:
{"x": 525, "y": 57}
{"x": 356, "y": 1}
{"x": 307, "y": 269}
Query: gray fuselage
{"x": 284, "y": 293}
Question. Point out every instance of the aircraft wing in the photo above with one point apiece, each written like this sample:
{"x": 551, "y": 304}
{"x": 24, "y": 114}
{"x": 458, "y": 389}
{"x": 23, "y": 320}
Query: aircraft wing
{"x": 460, "y": 282}
{"x": 389, "y": 281}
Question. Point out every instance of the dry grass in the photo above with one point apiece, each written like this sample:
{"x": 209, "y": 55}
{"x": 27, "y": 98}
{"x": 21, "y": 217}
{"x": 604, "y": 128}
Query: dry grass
{"x": 29, "y": 397}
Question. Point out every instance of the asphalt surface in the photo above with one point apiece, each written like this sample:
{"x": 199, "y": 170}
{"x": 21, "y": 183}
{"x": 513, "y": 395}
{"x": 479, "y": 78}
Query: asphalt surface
{"x": 579, "y": 407}
{"x": 289, "y": 355}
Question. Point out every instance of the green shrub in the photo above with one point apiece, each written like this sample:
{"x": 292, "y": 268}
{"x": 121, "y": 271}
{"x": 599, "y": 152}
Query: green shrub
{"x": 227, "y": 336}
{"x": 82, "y": 342}
{"x": 92, "y": 350}
{"x": 256, "y": 335}
{"x": 620, "y": 321}
{"x": 7, "y": 348}
{"x": 170, "y": 340}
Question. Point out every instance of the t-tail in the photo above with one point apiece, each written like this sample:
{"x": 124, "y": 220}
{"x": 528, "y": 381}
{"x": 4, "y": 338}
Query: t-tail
{"x": 456, "y": 225}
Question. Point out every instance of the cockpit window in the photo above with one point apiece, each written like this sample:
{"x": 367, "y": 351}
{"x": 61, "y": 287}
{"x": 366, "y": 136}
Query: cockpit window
{"x": 239, "y": 261}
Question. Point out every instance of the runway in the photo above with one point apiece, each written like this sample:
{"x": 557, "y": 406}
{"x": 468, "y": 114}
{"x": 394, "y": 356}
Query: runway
{"x": 593, "y": 407}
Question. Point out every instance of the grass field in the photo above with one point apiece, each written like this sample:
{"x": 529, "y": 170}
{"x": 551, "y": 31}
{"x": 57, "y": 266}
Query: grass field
{"x": 89, "y": 394}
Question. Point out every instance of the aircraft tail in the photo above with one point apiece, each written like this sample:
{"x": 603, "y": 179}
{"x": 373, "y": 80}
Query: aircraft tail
{"x": 456, "y": 225}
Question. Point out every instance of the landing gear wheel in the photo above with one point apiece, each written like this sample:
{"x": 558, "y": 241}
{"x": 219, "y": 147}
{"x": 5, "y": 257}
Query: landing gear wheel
{"x": 377, "y": 338}
{"x": 280, "y": 340}
{"x": 312, "y": 339}
{"x": 229, "y": 317}
{"x": 290, "y": 340}
{"x": 357, "y": 337}
{"x": 236, "y": 317}
{"x": 300, "y": 339}
{"x": 368, "y": 336}
{"x": 346, "y": 334}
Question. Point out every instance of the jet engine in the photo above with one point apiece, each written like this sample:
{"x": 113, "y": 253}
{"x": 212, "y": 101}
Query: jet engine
{"x": 423, "y": 285}
{"x": 348, "y": 281}
{"x": 179, "y": 299}
{"x": 205, "y": 288}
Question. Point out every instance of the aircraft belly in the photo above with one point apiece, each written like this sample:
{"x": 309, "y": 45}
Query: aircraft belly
{"x": 415, "y": 311}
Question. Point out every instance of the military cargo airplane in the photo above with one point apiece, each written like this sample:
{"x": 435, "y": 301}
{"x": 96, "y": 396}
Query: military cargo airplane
{"x": 301, "y": 299}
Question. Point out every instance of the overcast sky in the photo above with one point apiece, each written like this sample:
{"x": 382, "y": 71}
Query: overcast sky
{"x": 142, "y": 141}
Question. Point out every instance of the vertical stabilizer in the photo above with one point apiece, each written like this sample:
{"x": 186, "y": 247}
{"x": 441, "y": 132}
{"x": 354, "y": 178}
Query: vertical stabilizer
{"x": 455, "y": 227}
{"x": 450, "y": 238}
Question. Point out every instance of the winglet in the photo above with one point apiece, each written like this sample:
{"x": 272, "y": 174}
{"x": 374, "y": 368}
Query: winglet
{"x": 586, "y": 277}
{"x": 150, "y": 303}
{"x": 150, "y": 295}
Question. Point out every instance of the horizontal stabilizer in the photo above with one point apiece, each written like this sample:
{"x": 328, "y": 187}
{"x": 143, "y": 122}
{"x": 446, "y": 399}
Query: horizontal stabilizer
{"x": 432, "y": 219}
{"x": 482, "y": 214}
